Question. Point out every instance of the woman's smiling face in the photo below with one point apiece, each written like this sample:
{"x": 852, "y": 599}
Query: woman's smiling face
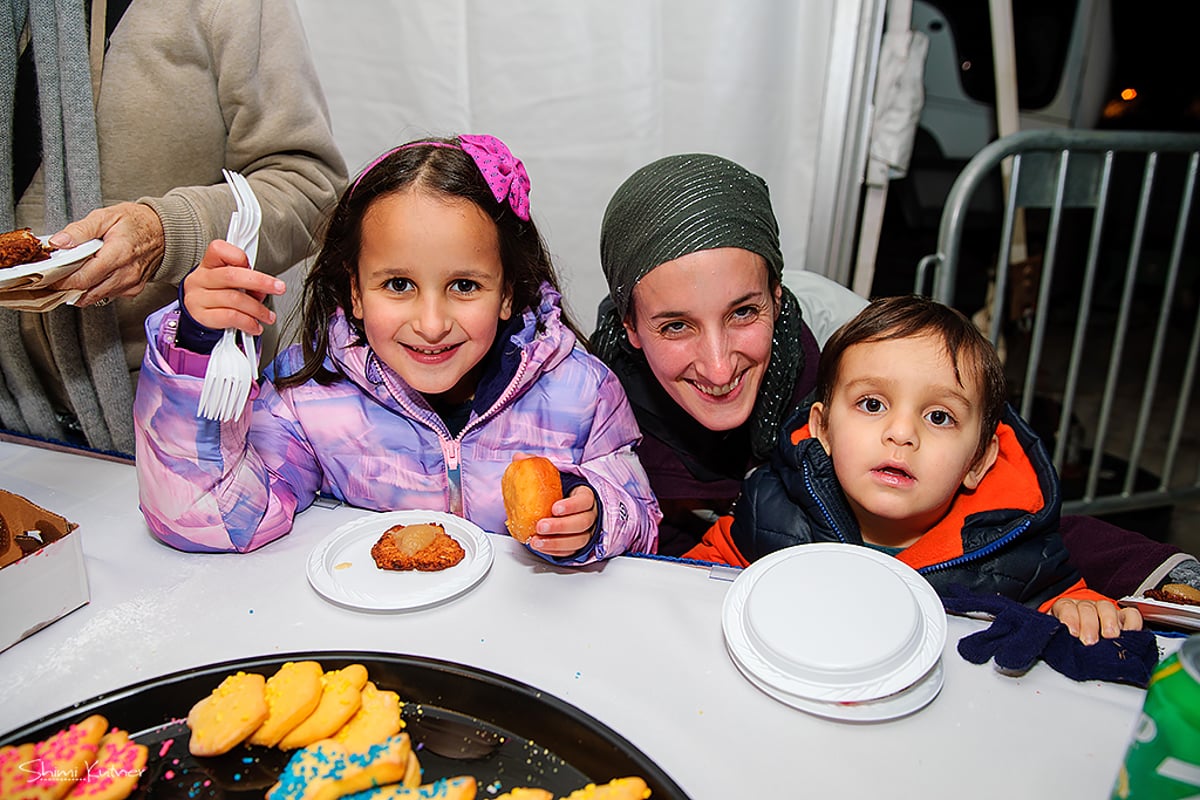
{"x": 704, "y": 322}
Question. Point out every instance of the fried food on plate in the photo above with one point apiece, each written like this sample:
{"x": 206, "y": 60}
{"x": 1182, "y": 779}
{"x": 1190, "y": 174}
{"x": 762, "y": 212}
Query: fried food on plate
{"x": 1179, "y": 593}
{"x": 22, "y": 247}
{"x": 425, "y": 547}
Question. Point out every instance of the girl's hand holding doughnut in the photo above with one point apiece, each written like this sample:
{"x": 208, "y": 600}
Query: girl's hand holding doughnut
{"x": 570, "y": 528}
{"x": 223, "y": 292}
{"x": 539, "y": 515}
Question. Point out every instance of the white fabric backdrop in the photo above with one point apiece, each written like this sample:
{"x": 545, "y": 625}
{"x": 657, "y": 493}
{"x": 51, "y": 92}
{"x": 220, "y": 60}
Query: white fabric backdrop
{"x": 585, "y": 92}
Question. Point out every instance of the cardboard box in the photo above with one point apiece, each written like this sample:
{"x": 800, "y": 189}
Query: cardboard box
{"x": 42, "y": 575}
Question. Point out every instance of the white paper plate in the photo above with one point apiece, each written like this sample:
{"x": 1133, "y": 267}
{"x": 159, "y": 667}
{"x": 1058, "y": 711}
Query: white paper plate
{"x": 903, "y": 703}
{"x": 52, "y": 267}
{"x": 834, "y": 623}
{"x": 341, "y": 569}
{"x": 1163, "y": 612}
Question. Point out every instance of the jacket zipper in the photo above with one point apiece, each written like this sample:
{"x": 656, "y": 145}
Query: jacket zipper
{"x": 455, "y": 444}
{"x": 452, "y": 447}
{"x": 451, "y": 450}
{"x": 965, "y": 558}
{"x": 820, "y": 503}
{"x": 501, "y": 401}
{"x": 982, "y": 552}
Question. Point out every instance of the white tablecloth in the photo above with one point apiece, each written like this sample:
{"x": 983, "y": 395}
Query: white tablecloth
{"x": 633, "y": 642}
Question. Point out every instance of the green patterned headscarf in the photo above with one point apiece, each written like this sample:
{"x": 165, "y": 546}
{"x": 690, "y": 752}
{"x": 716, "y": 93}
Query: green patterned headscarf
{"x": 679, "y": 205}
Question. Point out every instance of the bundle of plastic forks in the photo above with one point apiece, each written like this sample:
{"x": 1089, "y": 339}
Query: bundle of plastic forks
{"x": 232, "y": 369}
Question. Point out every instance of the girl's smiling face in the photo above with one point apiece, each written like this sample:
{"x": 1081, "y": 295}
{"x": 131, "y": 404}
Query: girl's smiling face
{"x": 430, "y": 290}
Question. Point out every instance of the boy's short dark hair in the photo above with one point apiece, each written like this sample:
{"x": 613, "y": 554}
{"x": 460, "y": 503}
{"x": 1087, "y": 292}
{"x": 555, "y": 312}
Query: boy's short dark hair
{"x": 907, "y": 316}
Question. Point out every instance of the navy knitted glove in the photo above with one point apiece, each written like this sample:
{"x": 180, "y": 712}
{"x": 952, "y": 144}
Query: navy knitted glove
{"x": 1129, "y": 658}
{"x": 1016, "y": 638}
{"x": 1019, "y": 635}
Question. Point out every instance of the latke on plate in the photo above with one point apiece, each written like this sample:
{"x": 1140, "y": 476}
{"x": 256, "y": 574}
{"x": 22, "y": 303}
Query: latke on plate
{"x": 425, "y": 547}
{"x": 22, "y": 247}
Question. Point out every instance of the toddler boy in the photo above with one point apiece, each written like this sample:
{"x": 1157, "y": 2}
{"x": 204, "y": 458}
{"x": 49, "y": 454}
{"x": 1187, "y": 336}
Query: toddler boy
{"x": 911, "y": 448}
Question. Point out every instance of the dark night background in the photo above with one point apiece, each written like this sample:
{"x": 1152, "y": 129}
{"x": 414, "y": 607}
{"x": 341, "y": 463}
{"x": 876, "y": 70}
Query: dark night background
{"x": 1156, "y": 50}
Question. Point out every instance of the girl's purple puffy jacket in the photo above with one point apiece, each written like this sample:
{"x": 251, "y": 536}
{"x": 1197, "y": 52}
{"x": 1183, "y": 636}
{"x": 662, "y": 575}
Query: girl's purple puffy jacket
{"x": 373, "y": 442}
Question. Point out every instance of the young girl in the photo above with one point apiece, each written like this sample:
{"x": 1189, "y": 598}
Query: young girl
{"x": 433, "y": 349}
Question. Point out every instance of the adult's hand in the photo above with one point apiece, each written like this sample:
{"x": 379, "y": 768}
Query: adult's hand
{"x": 133, "y": 248}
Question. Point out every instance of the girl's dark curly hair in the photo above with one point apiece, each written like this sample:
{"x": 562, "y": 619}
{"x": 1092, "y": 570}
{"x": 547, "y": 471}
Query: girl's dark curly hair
{"x": 424, "y": 166}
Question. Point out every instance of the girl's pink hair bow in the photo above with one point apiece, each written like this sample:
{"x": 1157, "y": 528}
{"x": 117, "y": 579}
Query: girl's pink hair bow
{"x": 503, "y": 171}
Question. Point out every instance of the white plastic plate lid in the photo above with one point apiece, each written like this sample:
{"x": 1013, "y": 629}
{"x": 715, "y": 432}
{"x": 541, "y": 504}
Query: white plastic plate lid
{"x": 834, "y": 622}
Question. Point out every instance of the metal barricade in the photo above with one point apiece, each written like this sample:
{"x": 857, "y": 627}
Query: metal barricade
{"x": 1098, "y": 317}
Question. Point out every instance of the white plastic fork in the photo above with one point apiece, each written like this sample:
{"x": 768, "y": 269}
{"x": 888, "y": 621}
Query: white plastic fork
{"x": 231, "y": 370}
{"x": 224, "y": 396}
{"x": 227, "y": 379}
{"x": 250, "y": 213}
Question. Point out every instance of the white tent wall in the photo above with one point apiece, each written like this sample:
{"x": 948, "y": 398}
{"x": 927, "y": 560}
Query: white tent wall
{"x": 586, "y": 92}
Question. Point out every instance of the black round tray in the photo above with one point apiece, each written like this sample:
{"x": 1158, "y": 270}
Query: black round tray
{"x": 462, "y": 720}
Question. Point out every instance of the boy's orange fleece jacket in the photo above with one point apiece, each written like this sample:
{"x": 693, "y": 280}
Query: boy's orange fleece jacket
{"x": 1011, "y": 484}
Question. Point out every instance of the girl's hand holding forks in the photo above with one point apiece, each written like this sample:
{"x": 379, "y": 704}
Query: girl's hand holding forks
{"x": 223, "y": 292}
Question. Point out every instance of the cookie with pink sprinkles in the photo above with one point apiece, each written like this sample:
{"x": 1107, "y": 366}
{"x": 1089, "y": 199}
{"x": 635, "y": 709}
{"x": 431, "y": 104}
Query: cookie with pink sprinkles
{"x": 49, "y": 770}
{"x": 115, "y": 772}
{"x": 15, "y": 762}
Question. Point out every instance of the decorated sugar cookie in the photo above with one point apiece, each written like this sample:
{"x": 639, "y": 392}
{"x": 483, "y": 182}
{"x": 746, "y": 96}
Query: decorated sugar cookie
{"x": 341, "y": 696}
{"x": 524, "y": 793}
{"x": 292, "y": 695}
{"x": 61, "y": 761}
{"x": 16, "y": 761}
{"x": 114, "y": 774}
{"x": 462, "y": 787}
{"x": 616, "y": 789}
{"x": 225, "y": 718}
{"x": 376, "y": 719}
{"x": 326, "y": 769}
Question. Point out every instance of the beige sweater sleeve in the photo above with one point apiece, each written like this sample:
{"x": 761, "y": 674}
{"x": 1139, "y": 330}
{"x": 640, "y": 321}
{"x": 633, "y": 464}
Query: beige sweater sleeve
{"x": 277, "y": 133}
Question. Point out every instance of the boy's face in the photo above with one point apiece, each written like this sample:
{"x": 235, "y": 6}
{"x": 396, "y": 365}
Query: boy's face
{"x": 902, "y": 434}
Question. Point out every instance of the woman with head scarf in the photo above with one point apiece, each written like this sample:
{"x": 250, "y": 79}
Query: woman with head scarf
{"x": 714, "y": 352}
{"x": 710, "y": 345}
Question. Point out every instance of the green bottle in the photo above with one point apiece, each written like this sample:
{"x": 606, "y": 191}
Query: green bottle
{"x": 1163, "y": 760}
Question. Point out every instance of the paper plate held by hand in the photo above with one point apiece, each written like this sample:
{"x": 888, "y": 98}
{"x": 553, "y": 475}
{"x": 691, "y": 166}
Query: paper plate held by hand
{"x": 41, "y": 274}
